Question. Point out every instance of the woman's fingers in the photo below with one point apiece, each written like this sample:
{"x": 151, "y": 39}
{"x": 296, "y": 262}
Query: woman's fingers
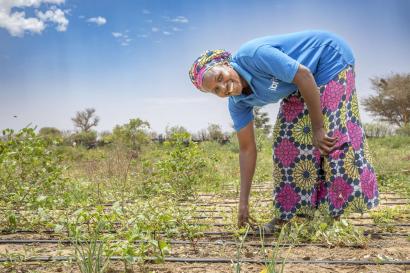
{"x": 252, "y": 219}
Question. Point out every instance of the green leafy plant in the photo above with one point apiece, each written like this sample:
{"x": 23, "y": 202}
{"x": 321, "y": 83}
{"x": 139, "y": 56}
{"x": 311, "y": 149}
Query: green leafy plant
{"x": 92, "y": 249}
{"x": 30, "y": 170}
{"x": 240, "y": 235}
{"x": 181, "y": 171}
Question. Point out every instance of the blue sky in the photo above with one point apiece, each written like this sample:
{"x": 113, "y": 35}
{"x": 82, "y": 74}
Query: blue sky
{"x": 130, "y": 59}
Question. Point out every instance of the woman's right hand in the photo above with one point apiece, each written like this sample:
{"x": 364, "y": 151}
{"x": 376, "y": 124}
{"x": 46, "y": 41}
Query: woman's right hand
{"x": 243, "y": 215}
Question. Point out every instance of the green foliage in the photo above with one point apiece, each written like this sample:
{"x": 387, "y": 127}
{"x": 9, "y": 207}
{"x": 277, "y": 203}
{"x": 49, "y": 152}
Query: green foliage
{"x": 261, "y": 120}
{"x": 215, "y": 132}
{"x": 133, "y": 134}
{"x": 87, "y": 139}
{"x": 30, "y": 171}
{"x": 404, "y": 130}
{"x": 324, "y": 229}
{"x": 170, "y": 131}
{"x": 105, "y": 138}
{"x": 385, "y": 218}
{"x": 241, "y": 237}
{"x": 377, "y": 129}
{"x": 273, "y": 265}
{"x": 391, "y": 159}
{"x": 51, "y": 134}
{"x": 91, "y": 247}
{"x": 184, "y": 166}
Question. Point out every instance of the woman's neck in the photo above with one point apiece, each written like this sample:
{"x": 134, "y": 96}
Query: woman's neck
{"x": 247, "y": 90}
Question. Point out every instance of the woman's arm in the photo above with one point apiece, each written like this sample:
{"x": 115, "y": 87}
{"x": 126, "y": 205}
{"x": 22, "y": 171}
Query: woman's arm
{"x": 310, "y": 93}
{"x": 247, "y": 163}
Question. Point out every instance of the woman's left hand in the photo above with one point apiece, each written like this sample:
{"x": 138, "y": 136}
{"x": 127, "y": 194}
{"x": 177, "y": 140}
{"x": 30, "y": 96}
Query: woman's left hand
{"x": 323, "y": 142}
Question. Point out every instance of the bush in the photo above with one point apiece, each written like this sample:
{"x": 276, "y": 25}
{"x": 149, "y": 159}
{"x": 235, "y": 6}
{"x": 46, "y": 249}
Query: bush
{"x": 133, "y": 134}
{"x": 404, "y": 131}
{"x": 51, "y": 134}
{"x": 86, "y": 139}
{"x": 184, "y": 166}
{"x": 377, "y": 130}
{"x": 30, "y": 171}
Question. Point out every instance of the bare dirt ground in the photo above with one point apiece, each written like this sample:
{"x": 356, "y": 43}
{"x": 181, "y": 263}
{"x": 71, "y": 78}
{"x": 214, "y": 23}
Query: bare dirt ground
{"x": 392, "y": 246}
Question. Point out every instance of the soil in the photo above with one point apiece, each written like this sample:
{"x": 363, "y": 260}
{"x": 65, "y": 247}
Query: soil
{"x": 389, "y": 248}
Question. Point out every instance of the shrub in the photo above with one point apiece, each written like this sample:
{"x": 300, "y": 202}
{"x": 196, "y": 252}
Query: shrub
{"x": 184, "y": 166}
{"x": 86, "y": 139}
{"x": 404, "y": 131}
{"x": 377, "y": 130}
{"x": 30, "y": 170}
{"x": 51, "y": 134}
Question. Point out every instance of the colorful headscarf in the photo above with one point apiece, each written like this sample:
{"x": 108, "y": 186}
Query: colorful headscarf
{"x": 206, "y": 61}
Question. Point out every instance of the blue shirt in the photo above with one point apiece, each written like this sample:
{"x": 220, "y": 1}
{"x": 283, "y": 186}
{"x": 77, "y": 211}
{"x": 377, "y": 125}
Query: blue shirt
{"x": 269, "y": 64}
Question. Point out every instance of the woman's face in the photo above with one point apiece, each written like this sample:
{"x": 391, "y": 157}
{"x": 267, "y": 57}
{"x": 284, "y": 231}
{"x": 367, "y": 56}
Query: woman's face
{"x": 223, "y": 81}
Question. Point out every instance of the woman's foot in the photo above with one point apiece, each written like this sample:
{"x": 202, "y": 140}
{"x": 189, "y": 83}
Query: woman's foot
{"x": 270, "y": 227}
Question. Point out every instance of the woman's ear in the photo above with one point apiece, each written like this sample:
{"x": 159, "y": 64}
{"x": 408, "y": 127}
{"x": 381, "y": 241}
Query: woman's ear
{"x": 226, "y": 63}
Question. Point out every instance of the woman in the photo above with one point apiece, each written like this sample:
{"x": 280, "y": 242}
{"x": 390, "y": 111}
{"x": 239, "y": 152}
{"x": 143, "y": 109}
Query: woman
{"x": 320, "y": 156}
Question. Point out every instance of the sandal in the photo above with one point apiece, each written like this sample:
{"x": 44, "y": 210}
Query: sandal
{"x": 270, "y": 227}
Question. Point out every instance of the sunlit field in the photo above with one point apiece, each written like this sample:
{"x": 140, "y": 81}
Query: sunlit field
{"x": 172, "y": 207}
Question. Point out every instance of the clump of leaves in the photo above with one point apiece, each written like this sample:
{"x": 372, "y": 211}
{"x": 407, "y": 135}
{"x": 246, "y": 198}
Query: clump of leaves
{"x": 386, "y": 217}
{"x": 324, "y": 229}
{"x": 183, "y": 168}
{"x": 92, "y": 248}
{"x": 30, "y": 170}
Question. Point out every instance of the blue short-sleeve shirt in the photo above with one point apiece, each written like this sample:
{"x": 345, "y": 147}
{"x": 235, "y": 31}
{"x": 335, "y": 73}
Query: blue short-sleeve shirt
{"x": 269, "y": 65}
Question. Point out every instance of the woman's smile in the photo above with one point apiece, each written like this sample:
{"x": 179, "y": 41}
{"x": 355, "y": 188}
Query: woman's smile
{"x": 223, "y": 81}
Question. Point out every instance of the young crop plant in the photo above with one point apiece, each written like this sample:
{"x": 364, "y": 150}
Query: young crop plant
{"x": 240, "y": 235}
{"x": 92, "y": 248}
{"x": 324, "y": 229}
{"x": 273, "y": 266}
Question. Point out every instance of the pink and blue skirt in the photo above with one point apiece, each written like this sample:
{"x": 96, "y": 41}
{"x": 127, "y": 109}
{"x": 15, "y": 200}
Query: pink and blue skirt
{"x": 306, "y": 180}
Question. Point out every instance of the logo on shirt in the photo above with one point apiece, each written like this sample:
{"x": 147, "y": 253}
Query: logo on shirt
{"x": 274, "y": 84}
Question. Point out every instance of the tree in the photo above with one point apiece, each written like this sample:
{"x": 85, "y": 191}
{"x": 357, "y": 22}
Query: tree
{"x": 215, "y": 132}
{"x": 392, "y": 100}
{"x": 133, "y": 134}
{"x": 261, "y": 120}
{"x": 170, "y": 131}
{"x": 86, "y": 119}
{"x": 201, "y": 135}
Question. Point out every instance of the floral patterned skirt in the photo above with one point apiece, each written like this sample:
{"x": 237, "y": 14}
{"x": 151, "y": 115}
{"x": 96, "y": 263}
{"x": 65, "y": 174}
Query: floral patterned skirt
{"x": 305, "y": 180}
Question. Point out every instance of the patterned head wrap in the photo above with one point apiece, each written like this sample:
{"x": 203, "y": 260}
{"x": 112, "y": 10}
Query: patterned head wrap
{"x": 206, "y": 61}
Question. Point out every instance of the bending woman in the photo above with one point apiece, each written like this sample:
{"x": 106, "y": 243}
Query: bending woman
{"x": 320, "y": 155}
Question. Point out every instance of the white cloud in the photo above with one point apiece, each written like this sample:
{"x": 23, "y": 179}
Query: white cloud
{"x": 122, "y": 38}
{"x": 142, "y": 35}
{"x": 56, "y": 16}
{"x": 116, "y": 34}
{"x": 17, "y": 24}
{"x": 166, "y": 33}
{"x": 145, "y": 11}
{"x": 180, "y": 19}
{"x": 155, "y": 29}
{"x": 176, "y": 29}
{"x": 97, "y": 20}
